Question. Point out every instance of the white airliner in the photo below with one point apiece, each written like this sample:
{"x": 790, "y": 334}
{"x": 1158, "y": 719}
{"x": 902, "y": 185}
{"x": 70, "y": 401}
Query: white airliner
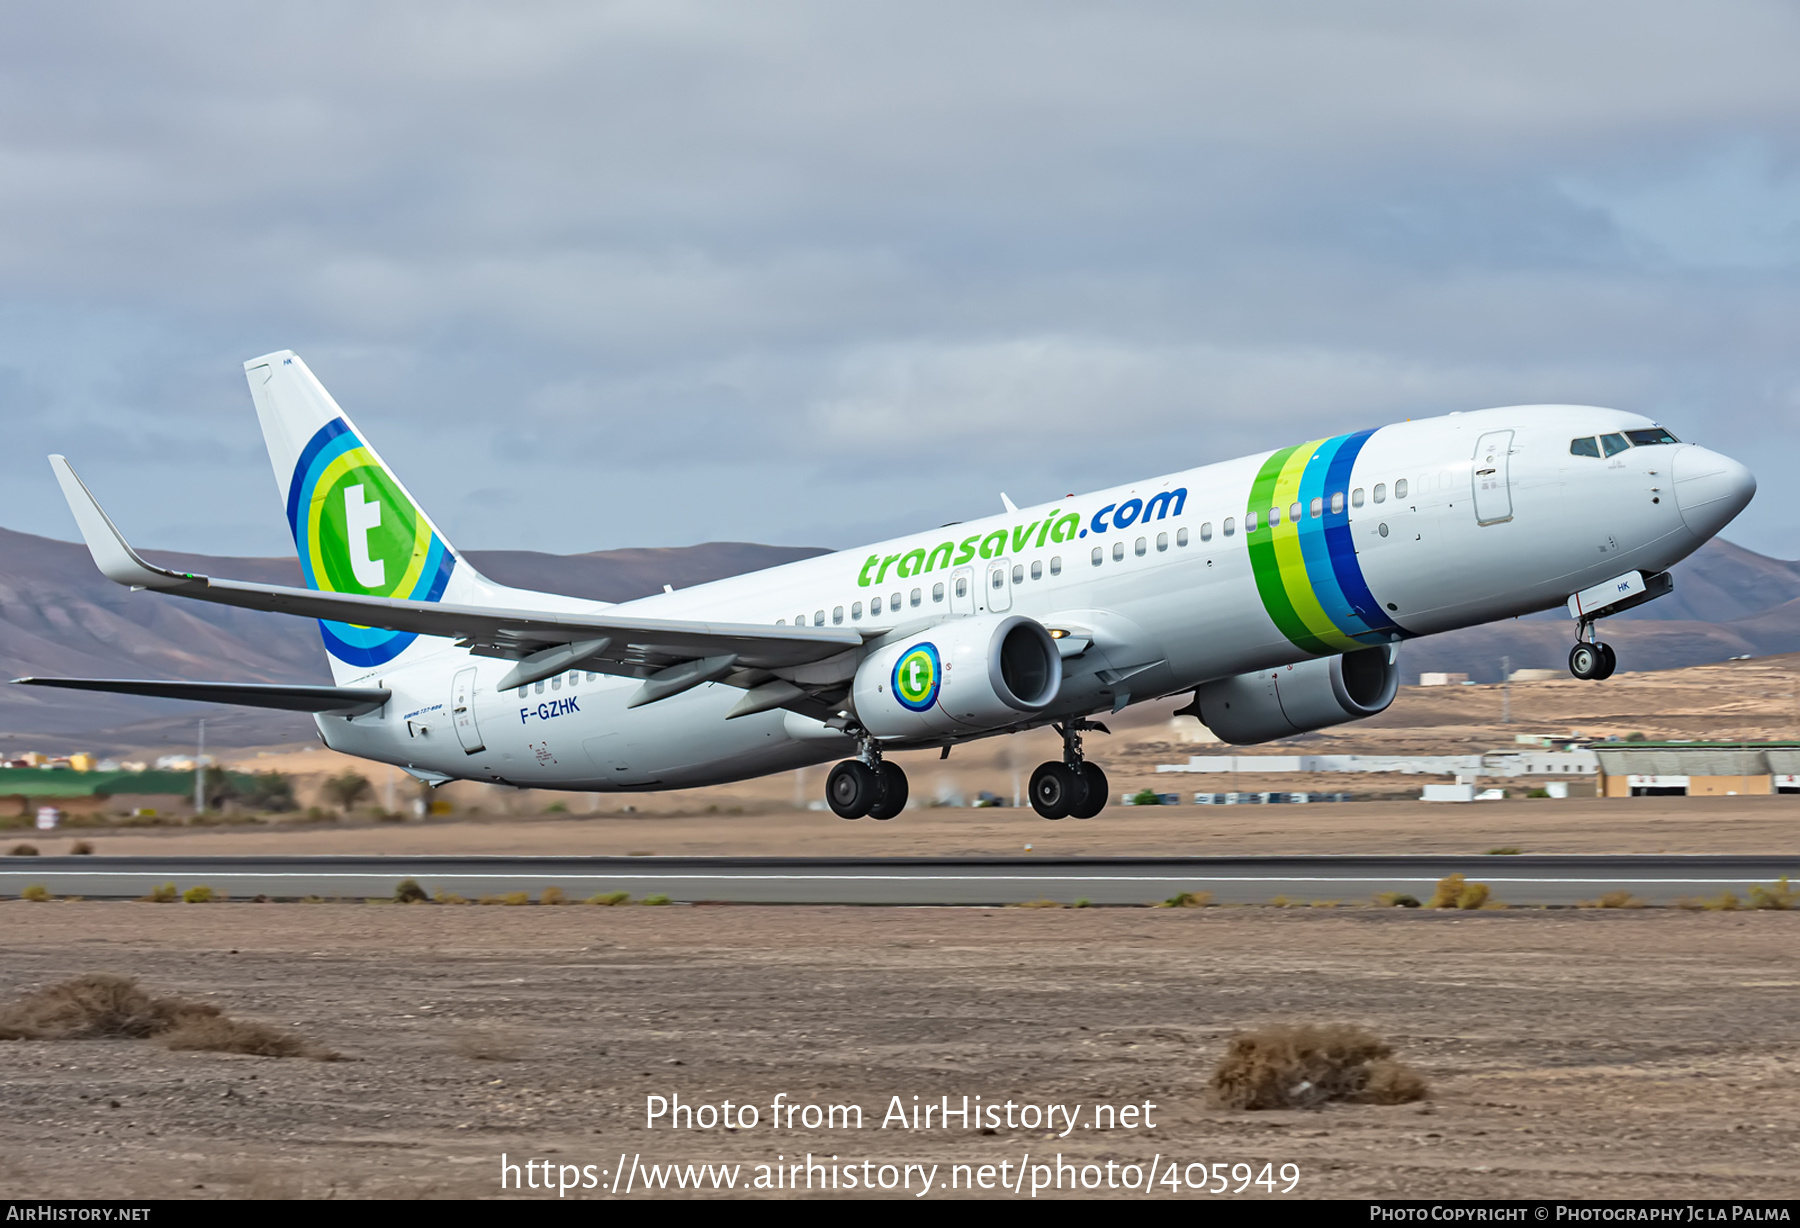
{"x": 1277, "y": 588}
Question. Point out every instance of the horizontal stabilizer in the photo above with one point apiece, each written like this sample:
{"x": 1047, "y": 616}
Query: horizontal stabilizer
{"x": 335, "y": 700}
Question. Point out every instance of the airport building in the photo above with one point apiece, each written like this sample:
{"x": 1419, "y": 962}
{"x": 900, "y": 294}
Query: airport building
{"x": 1698, "y": 769}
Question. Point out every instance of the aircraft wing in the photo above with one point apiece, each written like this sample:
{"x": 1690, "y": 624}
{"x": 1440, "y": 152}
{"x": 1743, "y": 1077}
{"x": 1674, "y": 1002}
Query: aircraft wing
{"x": 337, "y": 700}
{"x": 544, "y": 642}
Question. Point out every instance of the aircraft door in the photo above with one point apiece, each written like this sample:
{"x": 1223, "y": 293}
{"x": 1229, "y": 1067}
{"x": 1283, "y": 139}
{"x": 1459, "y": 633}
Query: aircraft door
{"x": 998, "y": 593}
{"x": 962, "y": 591}
{"x": 462, "y": 711}
{"x": 1493, "y": 484}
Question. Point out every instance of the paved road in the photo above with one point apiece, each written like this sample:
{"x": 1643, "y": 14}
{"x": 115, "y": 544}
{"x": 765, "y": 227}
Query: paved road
{"x": 1531, "y": 879}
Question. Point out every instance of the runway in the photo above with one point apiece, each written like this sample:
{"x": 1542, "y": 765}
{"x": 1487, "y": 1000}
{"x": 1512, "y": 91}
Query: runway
{"x": 1520, "y": 880}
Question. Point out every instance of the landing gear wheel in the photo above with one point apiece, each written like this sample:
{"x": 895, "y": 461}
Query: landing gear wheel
{"x": 1095, "y": 801}
{"x": 1587, "y": 662}
{"x": 893, "y": 791}
{"x": 1609, "y": 662}
{"x": 1056, "y": 791}
{"x": 851, "y": 789}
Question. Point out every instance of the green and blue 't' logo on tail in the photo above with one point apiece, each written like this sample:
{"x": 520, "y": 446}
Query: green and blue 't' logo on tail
{"x": 357, "y": 532}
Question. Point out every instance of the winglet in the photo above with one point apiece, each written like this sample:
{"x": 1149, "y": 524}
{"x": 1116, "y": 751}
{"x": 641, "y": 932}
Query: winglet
{"x": 1007, "y": 503}
{"x": 116, "y": 560}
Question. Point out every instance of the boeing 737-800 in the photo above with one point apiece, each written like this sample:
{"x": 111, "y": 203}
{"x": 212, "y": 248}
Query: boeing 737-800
{"x": 1276, "y": 588}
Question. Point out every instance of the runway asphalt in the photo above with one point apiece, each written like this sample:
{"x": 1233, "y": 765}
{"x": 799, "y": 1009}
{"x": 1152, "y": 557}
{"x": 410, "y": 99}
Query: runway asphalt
{"x": 1519, "y": 880}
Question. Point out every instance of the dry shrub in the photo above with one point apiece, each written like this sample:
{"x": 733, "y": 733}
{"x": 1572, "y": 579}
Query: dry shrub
{"x": 37, "y": 893}
{"x": 1454, "y": 891}
{"x": 22, "y": 850}
{"x": 654, "y": 900}
{"x": 99, "y": 1006}
{"x": 1288, "y": 1066}
{"x": 1725, "y": 901}
{"x": 1037, "y": 904}
{"x": 511, "y": 897}
{"x": 1616, "y": 899}
{"x": 1779, "y": 896}
{"x": 1188, "y": 899}
{"x": 81, "y": 848}
{"x": 610, "y": 899}
{"x": 408, "y": 891}
{"x": 200, "y": 895}
{"x": 553, "y": 895}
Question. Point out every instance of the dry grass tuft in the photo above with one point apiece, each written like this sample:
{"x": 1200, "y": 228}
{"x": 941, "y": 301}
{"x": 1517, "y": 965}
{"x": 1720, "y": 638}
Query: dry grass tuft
{"x": 1188, "y": 899}
{"x": 22, "y": 850}
{"x": 1288, "y": 1066}
{"x": 1454, "y": 891}
{"x": 1037, "y": 904}
{"x": 81, "y": 848}
{"x": 655, "y": 900}
{"x": 37, "y": 893}
{"x": 610, "y": 899}
{"x": 99, "y": 1006}
{"x": 200, "y": 895}
{"x": 513, "y": 898}
{"x": 1615, "y": 899}
{"x": 553, "y": 895}
{"x": 1779, "y": 896}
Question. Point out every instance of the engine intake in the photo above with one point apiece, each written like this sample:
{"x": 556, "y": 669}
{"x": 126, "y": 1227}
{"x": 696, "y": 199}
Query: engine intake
{"x": 1278, "y": 703}
{"x": 963, "y": 675}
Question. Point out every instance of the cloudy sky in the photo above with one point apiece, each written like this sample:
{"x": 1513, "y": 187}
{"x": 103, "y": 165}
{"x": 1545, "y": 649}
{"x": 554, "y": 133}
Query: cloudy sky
{"x": 596, "y": 275}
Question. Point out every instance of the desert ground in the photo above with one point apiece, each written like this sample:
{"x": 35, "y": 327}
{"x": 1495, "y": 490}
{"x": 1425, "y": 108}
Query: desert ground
{"x": 1570, "y": 1054}
{"x": 1573, "y": 1053}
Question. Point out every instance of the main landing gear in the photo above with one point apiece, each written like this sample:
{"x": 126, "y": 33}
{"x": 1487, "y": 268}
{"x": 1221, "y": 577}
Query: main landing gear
{"x": 869, "y": 785}
{"x": 1590, "y": 660}
{"x": 1073, "y": 786}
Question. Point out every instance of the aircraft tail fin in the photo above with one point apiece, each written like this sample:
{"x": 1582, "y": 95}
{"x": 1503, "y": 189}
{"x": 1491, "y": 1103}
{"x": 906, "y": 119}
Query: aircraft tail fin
{"x": 356, "y": 527}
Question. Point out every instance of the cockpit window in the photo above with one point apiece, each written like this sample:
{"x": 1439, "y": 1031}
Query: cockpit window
{"x": 1613, "y": 444}
{"x": 1654, "y": 435}
{"x": 1585, "y": 446}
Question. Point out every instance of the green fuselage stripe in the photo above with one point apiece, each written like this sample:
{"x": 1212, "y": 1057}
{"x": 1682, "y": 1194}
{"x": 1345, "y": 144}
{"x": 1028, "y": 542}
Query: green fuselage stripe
{"x": 1266, "y": 566}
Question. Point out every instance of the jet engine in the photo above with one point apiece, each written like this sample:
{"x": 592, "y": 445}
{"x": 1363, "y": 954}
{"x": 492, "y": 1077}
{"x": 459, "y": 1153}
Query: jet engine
{"x": 1278, "y": 703}
{"x": 960, "y": 676}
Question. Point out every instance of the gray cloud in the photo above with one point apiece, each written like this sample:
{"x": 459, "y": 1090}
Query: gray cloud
{"x": 598, "y": 275}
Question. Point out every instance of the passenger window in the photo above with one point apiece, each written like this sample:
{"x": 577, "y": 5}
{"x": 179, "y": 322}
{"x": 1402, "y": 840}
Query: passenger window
{"x": 1612, "y": 445}
{"x": 574, "y": 676}
{"x": 1205, "y": 532}
{"x": 1230, "y": 525}
{"x": 799, "y": 620}
{"x": 1249, "y": 524}
{"x": 937, "y": 593}
{"x": 875, "y": 606}
{"x": 1356, "y": 497}
{"x": 556, "y": 683}
{"x": 1037, "y": 569}
{"x": 1656, "y": 435}
{"x": 818, "y": 618}
{"x": 1317, "y": 507}
{"x": 856, "y": 609}
{"x": 1019, "y": 572}
{"x": 999, "y": 578}
{"x": 1585, "y": 446}
{"x": 894, "y": 602}
{"x": 591, "y": 677}
{"x": 1400, "y": 489}
{"x": 1294, "y": 513}
{"x": 1274, "y": 516}
{"x": 1056, "y": 564}
{"x": 539, "y": 689}
{"x": 781, "y": 622}
{"x": 915, "y": 594}
{"x": 1337, "y": 503}
{"x": 962, "y": 586}
{"x": 1118, "y": 552}
{"x": 524, "y": 690}
{"x": 1162, "y": 542}
{"x": 1139, "y": 546}
{"x": 837, "y": 614}
{"x": 1381, "y": 492}
{"x": 1099, "y": 556}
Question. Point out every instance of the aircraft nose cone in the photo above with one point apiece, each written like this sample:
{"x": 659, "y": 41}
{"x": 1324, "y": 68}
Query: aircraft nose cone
{"x": 1710, "y": 489}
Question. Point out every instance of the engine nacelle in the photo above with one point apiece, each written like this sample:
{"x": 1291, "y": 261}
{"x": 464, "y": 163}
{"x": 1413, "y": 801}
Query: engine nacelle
{"x": 1278, "y": 703}
{"x": 963, "y": 675}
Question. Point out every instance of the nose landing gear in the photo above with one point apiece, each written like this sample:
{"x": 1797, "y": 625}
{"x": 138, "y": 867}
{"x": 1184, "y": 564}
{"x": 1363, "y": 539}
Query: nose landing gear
{"x": 1590, "y": 660}
{"x": 1073, "y": 786}
{"x": 869, "y": 785}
